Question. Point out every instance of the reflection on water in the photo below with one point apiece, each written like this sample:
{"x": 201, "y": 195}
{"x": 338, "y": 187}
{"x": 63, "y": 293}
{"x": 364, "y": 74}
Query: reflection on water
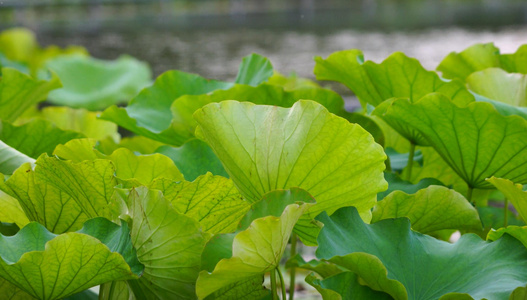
{"x": 216, "y": 54}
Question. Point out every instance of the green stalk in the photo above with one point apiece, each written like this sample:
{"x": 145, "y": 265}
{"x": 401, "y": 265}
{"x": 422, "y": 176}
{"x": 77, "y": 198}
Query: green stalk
{"x": 469, "y": 195}
{"x": 273, "y": 284}
{"x": 506, "y": 213}
{"x": 293, "y": 269}
{"x": 388, "y": 164}
{"x": 410, "y": 162}
{"x": 282, "y": 283}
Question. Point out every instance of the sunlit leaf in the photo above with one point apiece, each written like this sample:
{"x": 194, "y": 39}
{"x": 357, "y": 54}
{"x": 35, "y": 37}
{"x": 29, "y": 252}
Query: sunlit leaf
{"x": 264, "y": 148}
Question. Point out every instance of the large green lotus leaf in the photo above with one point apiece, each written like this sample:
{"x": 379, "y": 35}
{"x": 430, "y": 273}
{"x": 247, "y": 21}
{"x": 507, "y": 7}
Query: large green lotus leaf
{"x": 81, "y": 120}
{"x": 431, "y": 209}
{"x": 217, "y": 248}
{"x": 514, "y": 193}
{"x": 265, "y": 148}
{"x": 42, "y": 201}
{"x": 254, "y": 70}
{"x": 497, "y": 84}
{"x": 50, "y": 266}
{"x": 18, "y": 92}
{"x": 184, "y": 125}
{"x": 148, "y": 114}
{"x": 211, "y": 200}
{"x": 11, "y": 211}
{"x": 95, "y": 84}
{"x": 11, "y": 159}
{"x": 168, "y": 243}
{"x": 193, "y": 159}
{"x": 35, "y": 137}
{"x": 476, "y": 141}
{"x": 344, "y": 286}
{"x": 397, "y": 76}
{"x": 255, "y": 251}
{"x": 388, "y": 256}
{"x": 475, "y": 58}
{"x": 89, "y": 183}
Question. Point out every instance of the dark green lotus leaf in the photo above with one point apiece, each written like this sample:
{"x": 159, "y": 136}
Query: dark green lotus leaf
{"x": 194, "y": 158}
{"x": 431, "y": 209}
{"x": 184, "y": 125}
{"x": 214, "y": 201}
{"x": 148, "y": 114}
{"x": 497, "y": 84}
{"x": 254, "y": 70}
{"x": 388, "y": 256}
{"x": 494, "y": 217}
{"x": 18, "y": 92}
{"x": 96, "y": 84}
{"x": 397, "y": 76}
{"x": 11, "y": 159}
{"x": 168, "y": 243}
{"x": 50, "y": 266}
{"x": 344, "y": 286}
{"x": 35, "y": 137}
{"x": 476, "y": 141}
{"x": 367, "y": 123}
{"x": 255, "y": 251}
{"x": 475, "y": 58}
{"x": 504, "y": 108}
{"x": 218, "y": 247}
{"x": 265, "y": 148}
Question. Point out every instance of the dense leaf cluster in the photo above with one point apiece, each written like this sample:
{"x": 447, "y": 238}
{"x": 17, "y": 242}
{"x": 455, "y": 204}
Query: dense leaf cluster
{"x": 220, "y": 179}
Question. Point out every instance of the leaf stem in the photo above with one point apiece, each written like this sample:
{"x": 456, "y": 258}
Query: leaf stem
{"x": 388, "y": 164}
{"x": 469, "y": 195}
{"x": 273, "y": 284}
{"x": 292, "y": 284}
{"x": 282, "y": 283}
{"x": 506, "y": 213}
{"x": 410, "y": 162}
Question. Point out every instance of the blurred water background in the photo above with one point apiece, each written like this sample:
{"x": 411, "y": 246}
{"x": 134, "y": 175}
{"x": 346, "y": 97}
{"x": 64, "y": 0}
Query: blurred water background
{"x": 209, "y": 37}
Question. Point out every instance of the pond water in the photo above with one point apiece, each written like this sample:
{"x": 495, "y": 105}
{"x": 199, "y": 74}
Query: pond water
{"x": 216, "y": 54}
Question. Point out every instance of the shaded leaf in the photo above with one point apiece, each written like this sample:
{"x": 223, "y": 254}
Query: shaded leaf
{"x": 344, "y": 286}
{"x": 514, "y": 193}
{"x": 390, "y": 257}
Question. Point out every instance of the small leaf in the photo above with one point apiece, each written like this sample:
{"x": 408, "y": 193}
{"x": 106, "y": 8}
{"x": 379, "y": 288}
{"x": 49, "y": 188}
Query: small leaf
{"x": 514, "y": 193}
{"x": 255, "y": 251}
{"x": 475, "y": 58}
{"x": 254, "y": 70}
{"x": 11, "y": 210}
{"x": 11, "y": 159}
{"x": 496, "y": 84}
{"x": 344, "y": 286}
{"x": 431, "y": 209}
